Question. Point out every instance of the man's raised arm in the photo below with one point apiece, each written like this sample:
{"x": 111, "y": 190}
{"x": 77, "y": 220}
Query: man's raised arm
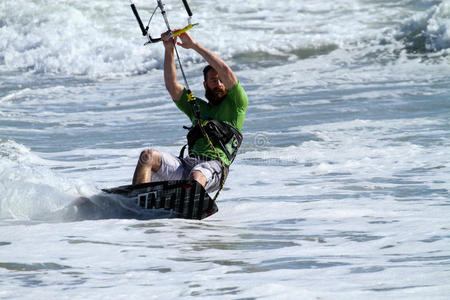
{"x": 174, "y": 88}
{"x": 225, "y": 73}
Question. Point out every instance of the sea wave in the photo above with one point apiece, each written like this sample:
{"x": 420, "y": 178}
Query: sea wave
{"x": 427, "y": 32}
{"x": 102, "y": 38}
{"x": 73, "y": 38}
{"x": 27, "y": 186}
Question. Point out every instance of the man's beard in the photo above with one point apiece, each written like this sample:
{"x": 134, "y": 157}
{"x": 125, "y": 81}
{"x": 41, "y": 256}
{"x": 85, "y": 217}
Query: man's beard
{"x": 215, "y": 96}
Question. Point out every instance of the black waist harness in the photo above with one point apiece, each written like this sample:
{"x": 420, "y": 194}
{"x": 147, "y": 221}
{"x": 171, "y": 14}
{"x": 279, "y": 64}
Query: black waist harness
{"x": 221, "y": 134}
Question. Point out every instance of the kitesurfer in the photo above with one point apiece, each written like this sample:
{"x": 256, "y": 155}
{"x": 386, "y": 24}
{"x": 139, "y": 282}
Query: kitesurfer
{"x": 222, "y": 115}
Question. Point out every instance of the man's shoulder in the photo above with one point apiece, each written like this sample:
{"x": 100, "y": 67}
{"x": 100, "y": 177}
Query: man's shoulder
{"x": 183, "y": 103}
{"x": 184, "y": 98}
{"x": 238, "y": 96}
{"x": 237, "y": 87}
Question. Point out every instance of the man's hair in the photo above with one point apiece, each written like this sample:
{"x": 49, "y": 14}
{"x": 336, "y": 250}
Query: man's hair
{"x": 205, "y": 71}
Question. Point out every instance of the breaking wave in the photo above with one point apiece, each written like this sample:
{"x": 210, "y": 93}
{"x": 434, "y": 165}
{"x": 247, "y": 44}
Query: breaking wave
{"x": 427, "y": 32}
{"x": 70, "y": 38}
{"x": 101, "y": 38}
{"x": 29, "y": 188}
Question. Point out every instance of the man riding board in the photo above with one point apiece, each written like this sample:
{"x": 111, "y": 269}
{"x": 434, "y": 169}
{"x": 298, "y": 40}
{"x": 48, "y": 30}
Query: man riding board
{"x": 227, "y": 104}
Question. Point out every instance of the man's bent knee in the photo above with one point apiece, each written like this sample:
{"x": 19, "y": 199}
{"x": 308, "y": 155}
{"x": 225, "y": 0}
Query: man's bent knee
{"x": 150, "y": 158}
{"x": 145, "y": 158}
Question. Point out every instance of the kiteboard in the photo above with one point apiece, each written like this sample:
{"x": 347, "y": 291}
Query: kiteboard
{"x": 185, "y": 199}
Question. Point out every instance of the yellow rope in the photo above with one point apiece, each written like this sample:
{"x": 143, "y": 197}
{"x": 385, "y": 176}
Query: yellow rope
{"x": 222, "y": 180}
{"x": 192, "y": 98}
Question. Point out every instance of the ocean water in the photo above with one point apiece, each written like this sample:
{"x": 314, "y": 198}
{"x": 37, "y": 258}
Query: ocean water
{"x": 341, "y": 187}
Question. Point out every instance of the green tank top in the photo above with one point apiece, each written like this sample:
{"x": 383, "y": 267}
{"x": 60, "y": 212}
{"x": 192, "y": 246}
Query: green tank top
{"x": 231, "y": 110}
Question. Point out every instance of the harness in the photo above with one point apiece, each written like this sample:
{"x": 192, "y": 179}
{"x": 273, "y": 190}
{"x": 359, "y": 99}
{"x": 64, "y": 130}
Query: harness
{"x": 221, "y": 134}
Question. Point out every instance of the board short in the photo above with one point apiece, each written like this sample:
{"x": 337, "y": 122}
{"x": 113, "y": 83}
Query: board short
{"x": 175, "y": 168}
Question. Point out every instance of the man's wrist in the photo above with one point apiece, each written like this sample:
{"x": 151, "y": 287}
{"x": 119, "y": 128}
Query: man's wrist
{"x": 196, "y": 46}
{"x": 169, "y": 49}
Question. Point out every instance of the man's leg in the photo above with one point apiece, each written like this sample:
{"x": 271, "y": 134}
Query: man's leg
{"x": 208, "y": 174}
{"x": 199, "y": 177}
{"x": 149, "y": 160}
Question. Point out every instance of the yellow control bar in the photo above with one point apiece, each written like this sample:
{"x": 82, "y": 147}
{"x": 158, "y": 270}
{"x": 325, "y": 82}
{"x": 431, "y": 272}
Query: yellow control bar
{"x": 183, "y": 30}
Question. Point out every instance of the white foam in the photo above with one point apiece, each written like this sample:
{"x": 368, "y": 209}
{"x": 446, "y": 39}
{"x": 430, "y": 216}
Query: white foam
{"x": 27, "y": 187}
{"x": 103, "y": 39}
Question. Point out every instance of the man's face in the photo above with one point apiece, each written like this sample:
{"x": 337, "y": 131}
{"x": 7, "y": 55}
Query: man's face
{"x": 215, "y": 91}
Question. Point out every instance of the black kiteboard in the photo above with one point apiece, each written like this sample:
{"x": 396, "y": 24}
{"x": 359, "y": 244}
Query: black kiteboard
{"x": 181, "y": 198}
{"x": 155, "y": 200}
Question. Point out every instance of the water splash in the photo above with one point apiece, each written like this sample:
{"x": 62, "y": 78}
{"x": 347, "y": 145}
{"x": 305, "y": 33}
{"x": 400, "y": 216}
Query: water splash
{"x": 27, "y": 187}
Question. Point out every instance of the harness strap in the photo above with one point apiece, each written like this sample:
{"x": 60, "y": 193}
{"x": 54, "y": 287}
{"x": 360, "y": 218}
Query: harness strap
{"x": 181, "y": 155}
